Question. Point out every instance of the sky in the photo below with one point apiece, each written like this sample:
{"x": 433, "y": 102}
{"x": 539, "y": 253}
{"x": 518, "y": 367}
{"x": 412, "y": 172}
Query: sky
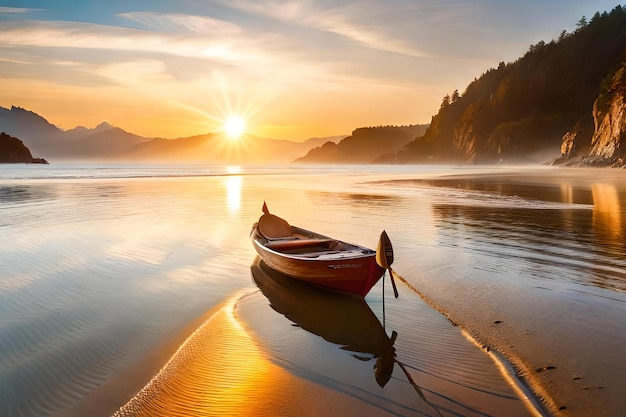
{"x": 290, "y": 69}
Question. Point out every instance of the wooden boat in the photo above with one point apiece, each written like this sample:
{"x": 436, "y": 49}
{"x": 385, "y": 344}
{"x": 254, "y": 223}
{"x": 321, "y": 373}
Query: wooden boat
{"x": 314, "y": 258}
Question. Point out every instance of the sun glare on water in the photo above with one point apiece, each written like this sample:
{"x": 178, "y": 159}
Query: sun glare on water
{"x": 234, "y": 127}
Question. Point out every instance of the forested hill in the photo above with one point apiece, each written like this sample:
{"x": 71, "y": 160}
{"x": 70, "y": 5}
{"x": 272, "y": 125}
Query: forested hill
{"x": 521, "y": 110}
{"x": 365, "y": 145}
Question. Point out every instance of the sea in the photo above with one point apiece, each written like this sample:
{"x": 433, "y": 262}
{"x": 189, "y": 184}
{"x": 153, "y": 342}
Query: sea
{"x": 134, "y": 289}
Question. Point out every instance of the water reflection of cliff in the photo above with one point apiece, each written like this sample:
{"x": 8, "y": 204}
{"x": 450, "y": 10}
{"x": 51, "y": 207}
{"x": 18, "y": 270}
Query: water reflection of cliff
{"x": 582, "y": 243}
{"x": 607, "y": 213}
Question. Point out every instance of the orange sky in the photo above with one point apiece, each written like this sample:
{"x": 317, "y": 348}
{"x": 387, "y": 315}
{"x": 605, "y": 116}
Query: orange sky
{"x": 293, "y": 69}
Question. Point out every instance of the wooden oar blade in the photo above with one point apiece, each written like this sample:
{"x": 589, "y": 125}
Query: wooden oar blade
{"x": 384, "y": 257}
{"x": 384, "y": 252}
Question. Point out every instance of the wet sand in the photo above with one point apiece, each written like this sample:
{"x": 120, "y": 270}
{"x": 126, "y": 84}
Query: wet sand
{"x": 566, "y": 339}
{"x": 248, "y": 358}
{"x": 220, "y": 370}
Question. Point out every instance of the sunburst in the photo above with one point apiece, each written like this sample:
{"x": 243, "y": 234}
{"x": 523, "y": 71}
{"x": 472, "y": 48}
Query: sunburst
{"x": 234, "y": 127}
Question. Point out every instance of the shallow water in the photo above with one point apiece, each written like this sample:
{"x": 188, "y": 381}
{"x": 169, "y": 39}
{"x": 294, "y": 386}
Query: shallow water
{"x": 101, "y": 266}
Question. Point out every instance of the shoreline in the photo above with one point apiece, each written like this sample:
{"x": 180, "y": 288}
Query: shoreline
{"x": 548, "y": 338}
{"x": 537, "y": 401}
{"x": 217, "y": 366}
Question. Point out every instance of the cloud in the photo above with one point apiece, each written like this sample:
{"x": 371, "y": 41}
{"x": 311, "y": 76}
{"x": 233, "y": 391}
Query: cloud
{"x": 16, "y": 10}
{"x": 247, "y": 53}
{"x": 356, "y": 22}
{"x": 101, "y": 37}
{"x": 183, "y": 23}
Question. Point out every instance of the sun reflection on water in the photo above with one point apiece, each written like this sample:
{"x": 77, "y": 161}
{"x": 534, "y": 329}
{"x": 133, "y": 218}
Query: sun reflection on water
{"x": 233, "y": 193}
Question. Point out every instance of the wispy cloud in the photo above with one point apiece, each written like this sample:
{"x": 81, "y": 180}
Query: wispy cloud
{"x": 183, "y": 23}
{"x": 101, "y": 37}
{"x": 253, "y": 54}
{"x": 16, "y": 10}
{"x": 351, "y": 21}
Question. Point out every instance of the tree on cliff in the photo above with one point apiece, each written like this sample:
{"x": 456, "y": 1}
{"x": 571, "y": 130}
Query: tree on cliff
{"x": 525, "y": 107}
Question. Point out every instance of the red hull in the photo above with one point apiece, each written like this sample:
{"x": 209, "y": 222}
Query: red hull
{"x": 352, "y": 269}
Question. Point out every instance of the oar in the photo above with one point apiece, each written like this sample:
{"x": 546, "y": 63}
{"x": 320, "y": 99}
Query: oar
{"x": 384, "y": 257}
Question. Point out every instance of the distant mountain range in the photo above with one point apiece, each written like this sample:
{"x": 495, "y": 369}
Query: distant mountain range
{"x": 107, "y": 142}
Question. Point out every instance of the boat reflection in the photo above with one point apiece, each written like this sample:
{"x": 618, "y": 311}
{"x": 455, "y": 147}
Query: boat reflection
{"x": 338, "y": 318}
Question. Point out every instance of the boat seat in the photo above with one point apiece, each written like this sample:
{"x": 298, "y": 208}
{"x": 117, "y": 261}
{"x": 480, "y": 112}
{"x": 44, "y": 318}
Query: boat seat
{"x": 285, "y": 245}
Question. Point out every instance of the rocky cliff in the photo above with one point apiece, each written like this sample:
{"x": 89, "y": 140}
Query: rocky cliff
{"x": 13, "y": 150}
{"x": 605, "y": 143}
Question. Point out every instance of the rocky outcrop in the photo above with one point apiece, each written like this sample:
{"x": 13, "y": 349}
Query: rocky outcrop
{"x": 13, "y": 150}
{"x": 609, "y": 138}
{"x": 605, "y": 145}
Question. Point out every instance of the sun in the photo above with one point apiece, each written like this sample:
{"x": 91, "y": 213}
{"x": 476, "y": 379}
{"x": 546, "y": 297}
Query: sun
{"x": 234, "y": 127}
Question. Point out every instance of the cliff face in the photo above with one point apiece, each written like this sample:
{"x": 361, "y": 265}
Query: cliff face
{"x": 605, "y": 145}
{"x": 609, "y": 138}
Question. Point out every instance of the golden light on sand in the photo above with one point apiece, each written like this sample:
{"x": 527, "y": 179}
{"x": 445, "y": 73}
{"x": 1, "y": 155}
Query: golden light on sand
{"x": 234, "y": 127}
{"x": 220, "y": 370}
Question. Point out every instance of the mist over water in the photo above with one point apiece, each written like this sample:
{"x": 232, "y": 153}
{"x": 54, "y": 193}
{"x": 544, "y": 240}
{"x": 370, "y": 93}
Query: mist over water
{"x": 102, "y": 265}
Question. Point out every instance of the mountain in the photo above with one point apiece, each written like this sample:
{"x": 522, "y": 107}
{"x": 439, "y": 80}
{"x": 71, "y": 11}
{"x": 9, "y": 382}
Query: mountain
{"x": 365, "y": 145}
{"x": 522, "y": 110}
{"x": 13, "y": 150}
{"x": 107, "y": 142}
{"x": 41, "y": 137}
{"x": 80, "y": 132}
{"x": 216, "y": 148}
{"x": 317, "y": 142}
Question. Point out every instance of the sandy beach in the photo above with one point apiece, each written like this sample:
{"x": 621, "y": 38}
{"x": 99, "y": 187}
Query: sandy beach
{"x": 228, "y": 367}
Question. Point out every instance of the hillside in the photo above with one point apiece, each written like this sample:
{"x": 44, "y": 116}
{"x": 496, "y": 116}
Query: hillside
{"x": 520, "y": 111}
{"x": 365, "y": 145}
{"x": 40, "y": 136}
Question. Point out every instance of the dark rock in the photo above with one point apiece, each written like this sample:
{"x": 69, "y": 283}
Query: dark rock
{"x": 13, "y": 150}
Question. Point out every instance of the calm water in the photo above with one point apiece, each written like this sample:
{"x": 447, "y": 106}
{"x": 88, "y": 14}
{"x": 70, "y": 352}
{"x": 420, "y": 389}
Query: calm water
{"x": 102, "y": 265}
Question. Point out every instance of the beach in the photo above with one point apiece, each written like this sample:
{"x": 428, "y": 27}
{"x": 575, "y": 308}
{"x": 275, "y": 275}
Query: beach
{"x": 135, "y": 290}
